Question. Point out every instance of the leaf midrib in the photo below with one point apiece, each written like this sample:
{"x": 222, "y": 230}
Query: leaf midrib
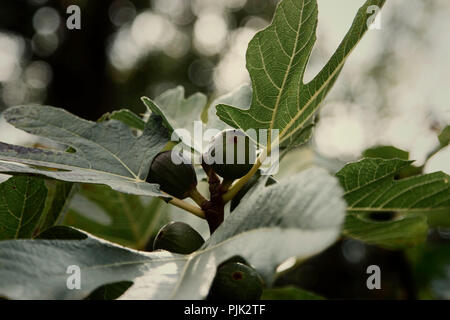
{"x": 281, "y": 89}
{"x": 69, "y": 168}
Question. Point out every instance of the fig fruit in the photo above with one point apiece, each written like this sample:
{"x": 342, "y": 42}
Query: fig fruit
{"x": 175, "y": 178}
{"x": 178, "y": 237}
{"x": 236, "y": 281}
{"x": 231, "y": 154}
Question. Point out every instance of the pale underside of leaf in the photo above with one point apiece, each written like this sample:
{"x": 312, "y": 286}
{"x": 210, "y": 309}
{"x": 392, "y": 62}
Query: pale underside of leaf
{"x": 179, "y": 113}
{"x": 241, "y": 98}
{"x": 106, "y": 152}
{"x": 127, "y": 117}
{"x": 307, "y": 225}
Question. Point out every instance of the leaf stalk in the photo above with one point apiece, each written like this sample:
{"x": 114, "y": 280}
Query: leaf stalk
{"x": 188, "y": 207}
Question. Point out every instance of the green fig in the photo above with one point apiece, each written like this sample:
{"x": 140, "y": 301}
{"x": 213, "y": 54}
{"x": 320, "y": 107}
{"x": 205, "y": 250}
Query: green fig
{"x": 231, "y": 154}
{"x": 178, "y": 237}
{"x": 236, "y": 281}
{"x": 177, "y": 178}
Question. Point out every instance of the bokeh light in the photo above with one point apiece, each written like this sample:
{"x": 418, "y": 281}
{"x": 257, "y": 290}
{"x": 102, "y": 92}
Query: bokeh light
{"x": 46, "y": 21}
{"x": 11, "y": 51}
{"x": 381, "y": 96}
{"x": 210, "y": 32}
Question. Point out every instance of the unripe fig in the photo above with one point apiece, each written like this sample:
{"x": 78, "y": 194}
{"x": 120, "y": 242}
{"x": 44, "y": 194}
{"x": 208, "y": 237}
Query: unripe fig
{"x": 236, "y": 281}
{"x": 178, "y": 237}
{"x": 176, "y": 179}
{"x": 231, "y": 154}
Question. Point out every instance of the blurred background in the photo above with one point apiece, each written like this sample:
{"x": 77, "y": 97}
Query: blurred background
{"x": 394, "y": 89}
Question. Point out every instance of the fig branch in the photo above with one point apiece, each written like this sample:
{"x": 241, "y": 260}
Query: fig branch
{"x": 195, "y": 195}
{"x": 229, "y": 195}
{"x": 235, "y": 188}
{"x": 214, "y": 208}
{"x": 230, "y": 144}
{"x": 188, "y": 207}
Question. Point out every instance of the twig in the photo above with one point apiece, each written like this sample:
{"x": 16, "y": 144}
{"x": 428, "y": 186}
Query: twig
{"x": 188, "y": 207}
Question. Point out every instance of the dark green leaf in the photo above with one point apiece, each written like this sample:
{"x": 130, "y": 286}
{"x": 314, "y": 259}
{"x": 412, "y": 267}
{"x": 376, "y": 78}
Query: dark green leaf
{"x": 430, "y": 269}
{"x": 444, "y": 137}
{"x": 58, "y": 198}
{"x": 370, "y": 186}
{"x": 117, "y": 217}
{"x": 62, "y": 233}
{"x": 389, "y": 152}
{"x": 399, "y": 232}
{"x": 22, "y": 201}
{"x": 388, "y": 212}
{"x": 385, "y": 152}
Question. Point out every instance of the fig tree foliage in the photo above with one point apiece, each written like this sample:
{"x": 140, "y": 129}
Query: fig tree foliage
{"x": 93, "y": 202}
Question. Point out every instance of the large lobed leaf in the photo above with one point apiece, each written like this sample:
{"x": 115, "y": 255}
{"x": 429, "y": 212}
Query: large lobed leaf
{"x": 105, "y": 152}
{"x": 392, "y": 213}
{"x": 276, "y": 60}
{"x": 298, "y": 217}
{"x": 370, "y": 185}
